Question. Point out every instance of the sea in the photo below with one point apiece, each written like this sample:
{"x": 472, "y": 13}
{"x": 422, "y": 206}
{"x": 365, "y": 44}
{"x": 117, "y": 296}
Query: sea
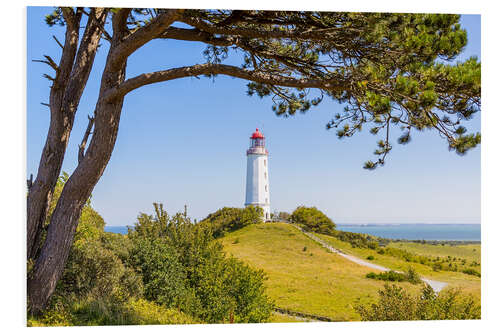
{"x": 417, "y": 231}
{"x": 438, "y": 232}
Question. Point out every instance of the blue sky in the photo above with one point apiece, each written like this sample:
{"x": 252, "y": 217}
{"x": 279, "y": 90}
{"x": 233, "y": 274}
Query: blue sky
{"x": 184, "y": 142}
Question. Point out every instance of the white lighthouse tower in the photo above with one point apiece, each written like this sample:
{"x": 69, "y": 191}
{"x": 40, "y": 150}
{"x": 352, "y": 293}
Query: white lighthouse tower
{"x": 257, "y": 193}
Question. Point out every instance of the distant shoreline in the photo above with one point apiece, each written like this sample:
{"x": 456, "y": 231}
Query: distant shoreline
{"x": 414, "y": 232}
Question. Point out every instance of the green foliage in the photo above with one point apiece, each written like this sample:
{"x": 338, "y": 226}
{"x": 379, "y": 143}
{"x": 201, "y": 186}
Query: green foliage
{"x": 162, "y": 274}
{"x": 359, "y": 240}
{"x": 400, "y": 64}
{"x": 96, "y": 267}
{"x": 183, "y": 266}
{"x": 230, "y": 219}
{"x": 471, "y": 271}
{"x": 284, "y": 215}
{"x": 387, "y": 276}
{"x": 409, "y": 276}
{"x": 412, "y": 276}
{"x": 94, "y": 271}
{"x": 312, "y": 219}
{"x": 370, "y": 257}
{"x": 396, "y": 304}
{"x": 55, "y": 18}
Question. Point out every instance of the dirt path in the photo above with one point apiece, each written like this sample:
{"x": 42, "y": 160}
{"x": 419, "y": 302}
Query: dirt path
{"x": 436, "y": 285}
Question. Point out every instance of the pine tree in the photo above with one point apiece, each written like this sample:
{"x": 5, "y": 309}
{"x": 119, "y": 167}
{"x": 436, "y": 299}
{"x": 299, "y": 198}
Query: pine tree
{"x": 389, "y": 70}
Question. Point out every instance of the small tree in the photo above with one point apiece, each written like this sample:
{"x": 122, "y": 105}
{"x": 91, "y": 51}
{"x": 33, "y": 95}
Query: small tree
{"x": 313, "y": 220}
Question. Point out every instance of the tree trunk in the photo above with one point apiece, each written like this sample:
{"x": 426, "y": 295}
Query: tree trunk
{"x": 65, "y": 94}
{"x": 50, "y": 263}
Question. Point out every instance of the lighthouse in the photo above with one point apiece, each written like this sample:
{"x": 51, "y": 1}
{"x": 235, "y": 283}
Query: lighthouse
{"x": 257, "y": 191}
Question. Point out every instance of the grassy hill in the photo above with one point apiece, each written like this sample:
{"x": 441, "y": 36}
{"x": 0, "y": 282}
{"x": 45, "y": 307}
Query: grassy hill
{"x": 303, "y": 276}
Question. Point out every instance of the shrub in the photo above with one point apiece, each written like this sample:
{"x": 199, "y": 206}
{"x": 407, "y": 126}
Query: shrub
{"x": 358, "y": 240}
{"x": 312, "y": 219}
{"x": 304, "y": 249}
{"x": 471, "y": 271}
{"x": 370, "y": 257}
{"x": 162, "y": 273}
{"x": 387, "y": 276}
{"x": 230, "y": 219}
{"x": 284, "y": 216}
{"x": 409, "y": 276}
{"x": 395, "y": 303}
{"x": 185, "y": 267}
{"x": 96, "y": 265}
{"x": 412, "y": 276}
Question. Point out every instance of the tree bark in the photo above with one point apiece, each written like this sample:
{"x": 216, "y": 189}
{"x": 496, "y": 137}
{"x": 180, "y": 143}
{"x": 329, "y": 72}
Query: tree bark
{"x": 71, "y": 78}
{"x": 49, "y": 265}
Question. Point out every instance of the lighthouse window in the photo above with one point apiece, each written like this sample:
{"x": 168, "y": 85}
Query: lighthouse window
{"x": 265, "y": 174}
{"x": 266, "y": 188}
{"x": 267, "y": 201}
{"x": 264, "y": 162}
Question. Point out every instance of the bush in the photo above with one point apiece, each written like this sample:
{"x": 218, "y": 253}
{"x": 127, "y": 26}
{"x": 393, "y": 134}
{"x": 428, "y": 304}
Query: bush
{"x": 185, "y": 267}
{"x": 284, "y": 216}
{"x": 370, "y": 257}
{"x": 96, "y": 265}
{"x": 387, "y": 276}
{"x": 230, "y": 219}
{"x": 395, "y": 303}
{"x": 471, "y": 271}
{"x": 162, "y": 273}
{"x": 312, "y": 219}
{"x": 357, "y": 240}
{"x": 412, "y": 276}
{"x": 409, "y": 276}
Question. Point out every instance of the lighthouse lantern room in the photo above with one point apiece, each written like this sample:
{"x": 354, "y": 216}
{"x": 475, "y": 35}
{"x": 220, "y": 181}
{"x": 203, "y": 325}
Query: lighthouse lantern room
{"x": 257, "y": 189}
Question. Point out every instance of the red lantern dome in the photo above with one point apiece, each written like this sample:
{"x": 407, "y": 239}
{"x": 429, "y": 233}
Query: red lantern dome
{"x": 257, "y": 135}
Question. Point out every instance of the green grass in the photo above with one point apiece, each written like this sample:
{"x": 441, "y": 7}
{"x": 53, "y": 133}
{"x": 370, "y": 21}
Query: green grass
{"x": 312, "y": 281}
{"x": 471, "y": 252}
{"x": 96, "y": 313}
{"x": 468, "y": 283}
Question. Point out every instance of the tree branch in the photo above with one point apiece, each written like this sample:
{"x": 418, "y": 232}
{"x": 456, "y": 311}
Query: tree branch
{"x": 84, "y": 58}
{"x": 257, "y": 33}
{"x": 211, "y": 69}
{"x": 81, "y": 146}
{"x": 100, "y": 24}
{"x": 49, "y": 62}
{"x": 195, "y": 35}
{"x": 142, "y": 35}
{"x": 58, "y": 42}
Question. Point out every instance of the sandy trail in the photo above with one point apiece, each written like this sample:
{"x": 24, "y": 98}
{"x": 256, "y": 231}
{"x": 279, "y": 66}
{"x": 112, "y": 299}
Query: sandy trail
{"x": 436, "y": 285}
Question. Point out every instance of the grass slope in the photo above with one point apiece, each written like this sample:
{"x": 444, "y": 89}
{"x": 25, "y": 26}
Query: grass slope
{"x": 313, "y": 281}
{"x": 471, "y": 252}
{"x": 468, "y": 283}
